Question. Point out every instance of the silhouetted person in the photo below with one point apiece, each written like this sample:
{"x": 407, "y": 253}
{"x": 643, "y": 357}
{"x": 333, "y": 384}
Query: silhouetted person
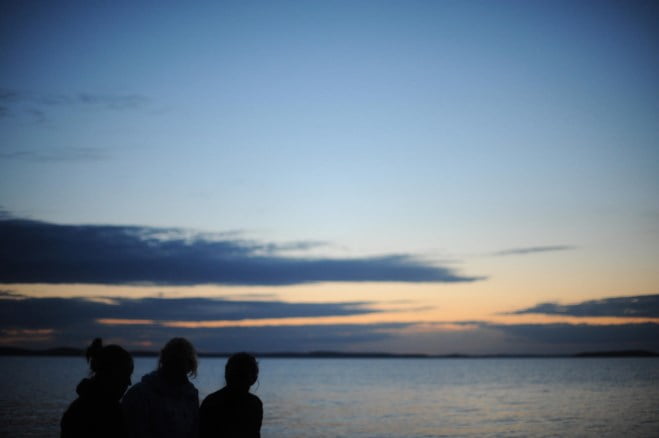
{"x": 232, "y": 412}
{"x": 165, "y": 403}
{"x": 96, "y": 412}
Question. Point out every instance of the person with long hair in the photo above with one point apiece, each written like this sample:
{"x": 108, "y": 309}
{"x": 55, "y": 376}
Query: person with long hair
{"x": 165, "y": 403}
{"x": 234, "y": 412}
{"x": 97, "y": 412}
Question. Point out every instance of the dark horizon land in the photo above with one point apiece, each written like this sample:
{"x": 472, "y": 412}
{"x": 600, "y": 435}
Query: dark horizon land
{"x": 77, "y": 352}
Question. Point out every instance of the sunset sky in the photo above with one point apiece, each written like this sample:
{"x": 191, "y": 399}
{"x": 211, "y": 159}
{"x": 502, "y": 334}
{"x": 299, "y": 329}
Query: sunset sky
{"x": 397, "y": 176}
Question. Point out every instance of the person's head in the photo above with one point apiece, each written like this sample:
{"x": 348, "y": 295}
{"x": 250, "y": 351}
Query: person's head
{"x": 178, "y": 359}
{"x": 111, "y": 367}
{"x": 241, "y": 371}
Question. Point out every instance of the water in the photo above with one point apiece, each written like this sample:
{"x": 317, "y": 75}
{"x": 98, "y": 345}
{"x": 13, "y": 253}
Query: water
{"x": 388, "y": 397}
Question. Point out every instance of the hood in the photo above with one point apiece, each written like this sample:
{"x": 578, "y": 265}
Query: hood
{"x": 85, "y": 387}
{"x": 91, "y": 389}
{"x": 158, "y": 384}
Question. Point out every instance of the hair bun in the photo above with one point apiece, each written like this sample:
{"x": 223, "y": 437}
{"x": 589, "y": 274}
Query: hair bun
{"x": 92, "y": 352}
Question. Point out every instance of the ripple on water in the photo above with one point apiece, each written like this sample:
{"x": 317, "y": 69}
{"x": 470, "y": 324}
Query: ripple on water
{"x": 385, "y": 398}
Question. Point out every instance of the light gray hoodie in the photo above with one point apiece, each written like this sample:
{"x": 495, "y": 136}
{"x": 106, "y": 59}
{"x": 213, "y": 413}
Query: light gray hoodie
{"x": 155, "y": 408}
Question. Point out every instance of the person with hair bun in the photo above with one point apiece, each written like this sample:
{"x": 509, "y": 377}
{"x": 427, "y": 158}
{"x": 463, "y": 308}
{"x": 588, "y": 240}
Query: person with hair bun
{"x": 233, "y": 412}
{"x": 165, "y": 403}
{"x": 97, "y": 412}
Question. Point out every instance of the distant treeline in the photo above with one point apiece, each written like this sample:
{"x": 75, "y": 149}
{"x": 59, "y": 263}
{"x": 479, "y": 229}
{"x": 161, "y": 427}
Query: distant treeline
{"x": 66, "y": 351}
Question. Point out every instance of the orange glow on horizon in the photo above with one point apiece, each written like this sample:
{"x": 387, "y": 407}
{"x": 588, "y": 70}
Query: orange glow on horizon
{"x": 418, "y": 324}
{"x": 118, "y": 321}
{"x": 16, "y": 336}
{"x": 421, "y": 307}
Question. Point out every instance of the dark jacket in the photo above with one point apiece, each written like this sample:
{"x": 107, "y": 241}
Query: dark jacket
{"x": 155, "y": 408}
{"x": 231, "y": 413}
{"x": 92, "y": 414}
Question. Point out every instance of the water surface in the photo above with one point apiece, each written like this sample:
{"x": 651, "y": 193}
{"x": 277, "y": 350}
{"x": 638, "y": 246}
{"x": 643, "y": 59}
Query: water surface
{"x": 388, "y": 397}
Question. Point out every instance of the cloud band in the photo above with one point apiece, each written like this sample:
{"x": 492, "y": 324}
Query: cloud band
{"x": 38, "y": 252}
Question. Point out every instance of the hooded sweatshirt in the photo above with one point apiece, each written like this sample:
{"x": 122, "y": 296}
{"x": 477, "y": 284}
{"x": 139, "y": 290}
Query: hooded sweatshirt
{"x": 231, "y": 413}
{"x": 93, "y": 414}
{"x": 156, "y": 408}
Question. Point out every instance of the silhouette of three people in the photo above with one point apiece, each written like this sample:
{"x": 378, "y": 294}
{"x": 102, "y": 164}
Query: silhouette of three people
{"x": 164, "y": 404}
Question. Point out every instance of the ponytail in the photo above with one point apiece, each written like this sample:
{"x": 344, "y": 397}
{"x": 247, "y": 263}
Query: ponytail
{"x": 107, "y": 359}
{"x": 93, "y": 354}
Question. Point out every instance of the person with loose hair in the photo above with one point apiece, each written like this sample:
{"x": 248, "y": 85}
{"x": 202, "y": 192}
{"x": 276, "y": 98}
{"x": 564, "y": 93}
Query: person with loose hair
{"x": 97, "y": 412}
{"x": 165, "y": 403}
{"x": 233, "y": 412}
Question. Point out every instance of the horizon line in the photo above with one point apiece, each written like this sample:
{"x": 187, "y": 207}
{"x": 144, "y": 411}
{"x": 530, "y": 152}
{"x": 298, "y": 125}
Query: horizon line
{"x": 79, "y": 352}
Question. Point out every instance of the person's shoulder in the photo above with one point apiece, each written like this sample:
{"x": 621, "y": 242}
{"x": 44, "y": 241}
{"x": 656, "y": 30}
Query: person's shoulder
{"x": 213, "y": 401}
{"x": 254, "y": 399}
{"x": 215, "y": 397}
{"x": 76, "y": 417}
{"x": 135, "y": 389}
{"x": 191, "y": 391}
{"x": 137, "y": 393}
{"x": 75, "y": 409}
{"x": 149, "y": 382}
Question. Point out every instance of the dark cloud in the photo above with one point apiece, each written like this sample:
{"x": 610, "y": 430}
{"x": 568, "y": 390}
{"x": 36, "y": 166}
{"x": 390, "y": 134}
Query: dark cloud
{"x": 10, "y": 96}
{"x": 340, "y": 337}
{"x": 561, "y": 338}
{"x": 113, "y": 101}
{"x": 57, "y": 154}
{"x": 22, "y": 312}
{"x": 50, "y": 322}
{"x": 106, "y": 101}
{"x": 37, "y": 106}
{"x": 74, "y": 321}
{"x": 642, "y": 306}
{"x": 587, "y": 336}
{"x": 37, "y": 252}
{"x": 343, "y": 337}
{"x": 533, "y": 250}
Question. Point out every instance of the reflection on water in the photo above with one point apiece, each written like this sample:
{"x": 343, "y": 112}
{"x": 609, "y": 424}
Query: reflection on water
{"x": 388, "y": 397}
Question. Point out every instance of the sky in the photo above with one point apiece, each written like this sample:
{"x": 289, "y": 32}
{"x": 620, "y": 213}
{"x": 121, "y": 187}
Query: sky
{"x": 386, "y": 176}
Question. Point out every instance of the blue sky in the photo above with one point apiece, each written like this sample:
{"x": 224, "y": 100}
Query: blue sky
{"x": 441, "y": 134}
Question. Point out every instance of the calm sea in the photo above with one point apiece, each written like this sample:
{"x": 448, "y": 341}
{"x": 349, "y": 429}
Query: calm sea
{"x": 388, "y": 397}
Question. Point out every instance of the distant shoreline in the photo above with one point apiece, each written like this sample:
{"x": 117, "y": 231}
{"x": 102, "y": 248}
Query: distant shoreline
{"x": 76, "y": 352}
